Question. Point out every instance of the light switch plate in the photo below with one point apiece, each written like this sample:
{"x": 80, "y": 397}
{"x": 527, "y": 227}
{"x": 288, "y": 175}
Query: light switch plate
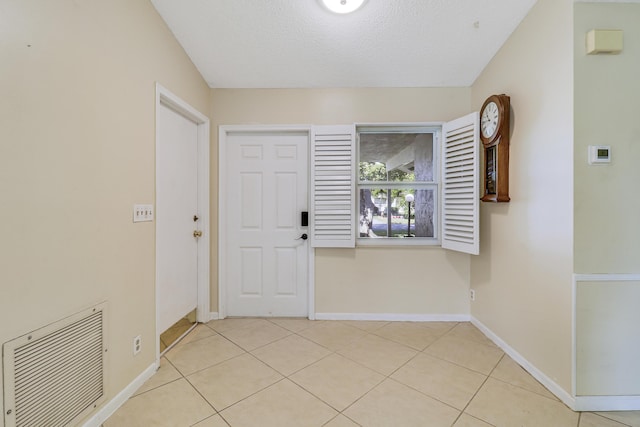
{"x": 142, "y": 213}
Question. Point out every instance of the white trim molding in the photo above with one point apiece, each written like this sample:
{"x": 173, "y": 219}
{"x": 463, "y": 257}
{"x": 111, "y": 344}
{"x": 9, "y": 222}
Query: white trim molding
{"x": 551, "y": 385}
{"x": 394, "y": 317}
{"x": 114, "y": 404}
{"x": 597, "y": 403}
{"x": 607, "y": 403}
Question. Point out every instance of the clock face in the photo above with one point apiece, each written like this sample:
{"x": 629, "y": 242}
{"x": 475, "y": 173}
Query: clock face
{"x": 489, "y": 120}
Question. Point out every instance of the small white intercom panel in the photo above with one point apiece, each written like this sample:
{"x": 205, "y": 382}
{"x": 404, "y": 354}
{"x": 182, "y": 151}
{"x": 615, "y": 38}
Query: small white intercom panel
{"x": 599, "y": 154}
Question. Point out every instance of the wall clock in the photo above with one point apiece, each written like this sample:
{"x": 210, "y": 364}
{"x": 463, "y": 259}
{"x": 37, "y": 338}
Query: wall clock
{"x": 494, "y": 134}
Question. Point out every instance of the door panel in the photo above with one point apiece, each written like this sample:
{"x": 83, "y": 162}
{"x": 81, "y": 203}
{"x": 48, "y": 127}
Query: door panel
{"x": 176, "y": 205}
{"x": 266, "y": 191}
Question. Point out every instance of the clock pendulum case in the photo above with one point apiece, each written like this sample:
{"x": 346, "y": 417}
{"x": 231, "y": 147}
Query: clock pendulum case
{"x": 494, "y": 134}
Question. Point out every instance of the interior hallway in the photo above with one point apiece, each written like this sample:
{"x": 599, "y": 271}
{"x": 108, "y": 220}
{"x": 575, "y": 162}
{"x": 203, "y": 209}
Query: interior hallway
{"x": 297, "y": 372}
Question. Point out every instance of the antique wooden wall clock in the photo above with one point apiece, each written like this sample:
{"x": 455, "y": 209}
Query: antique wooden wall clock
{"x": 494, "y": 134}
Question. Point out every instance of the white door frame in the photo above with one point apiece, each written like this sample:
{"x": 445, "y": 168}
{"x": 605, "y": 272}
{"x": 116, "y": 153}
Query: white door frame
{"x": 222, "y": 218}
{"x": 165, "y": 98}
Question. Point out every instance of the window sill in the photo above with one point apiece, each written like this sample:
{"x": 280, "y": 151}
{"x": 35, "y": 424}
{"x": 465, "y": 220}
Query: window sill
{"x": 397, "y": 242}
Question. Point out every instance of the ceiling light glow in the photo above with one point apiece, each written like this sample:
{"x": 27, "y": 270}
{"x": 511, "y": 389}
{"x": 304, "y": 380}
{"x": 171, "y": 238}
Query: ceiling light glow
{"x": 343, "y": 6}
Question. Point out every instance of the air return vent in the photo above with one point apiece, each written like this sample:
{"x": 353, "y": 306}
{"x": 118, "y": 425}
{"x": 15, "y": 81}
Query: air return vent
{"x": 55, "y": 375}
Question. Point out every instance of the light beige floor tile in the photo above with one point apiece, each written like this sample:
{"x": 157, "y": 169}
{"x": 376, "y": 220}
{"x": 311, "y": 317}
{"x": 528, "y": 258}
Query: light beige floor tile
{"x": 512, "y": 373}
{"x": 256, "y": 334}
{"x": 171, "y": 405}
{"x": 337, "y": 380}
{"x": 284, "y": 404}
{"x": 469, "y": 354}
{"x": 198, "y": 333}
{"x": 394, "y": 404}
{"x": 466, "y": 420}
{"x": 630, "y": 418}
{"x": 440, "y": 327}
{"x": 165, "y": 374}
{"x": 201, "y": 354}
{"x": 332, "y": 334}
{"x": 215, "y": 421}
{"x": 502, "y": 404}
{"x": 467, "y": 331}
{"x": 229, "y": 382}
{"x": 411, "y": 334}
{"x": 291, "y": 354}
{"x": 365, "y": 325}
{"x": 230, "y": 323}
{"x": 379, "y": 354}
{"x": 341, "y": 421}
{"x": 442, "y": 380}
{"x": 294, "y": 324}
{"x": 588, "y": 419}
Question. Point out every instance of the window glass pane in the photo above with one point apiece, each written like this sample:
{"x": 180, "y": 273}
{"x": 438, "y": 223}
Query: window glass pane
{"x": 396, "y": 213}
{"x": 397, "y": 157}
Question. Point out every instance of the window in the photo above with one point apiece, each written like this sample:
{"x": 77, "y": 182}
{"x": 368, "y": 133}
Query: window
{"x": 435, "y": 168}
{"x": 397, "y": 184}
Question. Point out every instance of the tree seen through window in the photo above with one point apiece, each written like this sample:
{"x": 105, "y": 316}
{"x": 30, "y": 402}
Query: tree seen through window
{"x": 393, "y": 166}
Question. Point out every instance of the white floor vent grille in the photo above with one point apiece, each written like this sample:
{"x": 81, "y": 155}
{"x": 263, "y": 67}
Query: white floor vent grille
{"x": 55, "y": 375}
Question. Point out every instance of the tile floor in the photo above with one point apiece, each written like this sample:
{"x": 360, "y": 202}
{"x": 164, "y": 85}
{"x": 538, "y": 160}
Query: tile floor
{"x": 296, "y": 372}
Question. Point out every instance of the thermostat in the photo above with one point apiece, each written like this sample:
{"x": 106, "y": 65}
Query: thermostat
{"x": 599, "y": 154}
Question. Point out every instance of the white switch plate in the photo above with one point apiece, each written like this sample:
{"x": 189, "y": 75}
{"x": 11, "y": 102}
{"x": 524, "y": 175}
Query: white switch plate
{"x": 142, "y": 213}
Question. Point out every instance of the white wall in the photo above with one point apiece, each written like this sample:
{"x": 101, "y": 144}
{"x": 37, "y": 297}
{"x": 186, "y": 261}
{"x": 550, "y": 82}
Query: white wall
{"x": 523, "y": 274}
{"x": 607, "y": 226}
{"x": 77, "y": 150}
{"x": 607, "y": 110}
{"x": 416, "y": 280}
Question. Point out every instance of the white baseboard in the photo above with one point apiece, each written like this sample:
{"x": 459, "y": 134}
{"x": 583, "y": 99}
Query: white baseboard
{"x": 607, "y": 403}
{"x": 214, "y": 315}
{"x": 112, "y": 406}
{"x": 395, "y": 317}
{"x": 551, "y": 385}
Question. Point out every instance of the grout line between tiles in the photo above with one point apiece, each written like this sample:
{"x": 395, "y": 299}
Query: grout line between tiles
{"x": 365, "y": 333}
{"x": 478, "y": 391}
{"x": 530, "y": 391}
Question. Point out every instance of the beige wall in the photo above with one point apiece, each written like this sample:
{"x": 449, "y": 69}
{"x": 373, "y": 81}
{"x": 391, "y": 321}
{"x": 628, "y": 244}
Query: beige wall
{"x": 418, "y": 280}
{"x": 77, "y": 144}
{"x": 522, "y": 276}
{"x": 607, "y": 112}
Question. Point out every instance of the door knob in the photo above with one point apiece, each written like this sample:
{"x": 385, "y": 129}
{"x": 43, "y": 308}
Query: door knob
{"x": 197, "y": 233}
{"x": 303, "y": 237}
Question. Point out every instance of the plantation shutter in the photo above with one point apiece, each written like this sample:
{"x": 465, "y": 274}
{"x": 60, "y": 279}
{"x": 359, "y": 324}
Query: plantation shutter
{"x": 333, "y": 198}
{"x": 460, "y": 199}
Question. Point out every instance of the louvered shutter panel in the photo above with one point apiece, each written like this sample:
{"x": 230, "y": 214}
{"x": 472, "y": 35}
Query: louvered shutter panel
{"x": 460, "y": 199}
{"x": 333, "y": 198}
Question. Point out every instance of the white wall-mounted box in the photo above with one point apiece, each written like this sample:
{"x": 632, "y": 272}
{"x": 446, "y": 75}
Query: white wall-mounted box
{"x": 599, "y": 154}
{"x": 604, "y": 41}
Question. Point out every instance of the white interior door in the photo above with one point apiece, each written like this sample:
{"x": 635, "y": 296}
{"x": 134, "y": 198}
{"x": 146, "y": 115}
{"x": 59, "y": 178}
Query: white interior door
{"x": 266, "y": 191}
{"x": 176, "y": 213}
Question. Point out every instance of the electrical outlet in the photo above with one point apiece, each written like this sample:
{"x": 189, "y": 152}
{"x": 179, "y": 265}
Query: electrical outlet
{"x": 137, "y": 345}
{"x": 472, "y": 294}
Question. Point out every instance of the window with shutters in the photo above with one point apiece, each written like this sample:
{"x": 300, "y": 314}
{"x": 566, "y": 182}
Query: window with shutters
{"x": 402, "y": 185}
{"x": 397, "y": 184}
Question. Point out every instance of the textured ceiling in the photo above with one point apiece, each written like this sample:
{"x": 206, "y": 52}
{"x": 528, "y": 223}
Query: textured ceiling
{"x": 299, "y": 44}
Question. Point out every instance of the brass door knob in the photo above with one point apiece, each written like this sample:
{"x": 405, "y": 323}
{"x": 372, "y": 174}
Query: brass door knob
{"x": 197, "y": 233}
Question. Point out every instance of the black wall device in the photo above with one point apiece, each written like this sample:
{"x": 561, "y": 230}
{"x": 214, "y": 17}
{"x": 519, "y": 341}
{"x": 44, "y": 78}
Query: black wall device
{"x": 304, "y": 219}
